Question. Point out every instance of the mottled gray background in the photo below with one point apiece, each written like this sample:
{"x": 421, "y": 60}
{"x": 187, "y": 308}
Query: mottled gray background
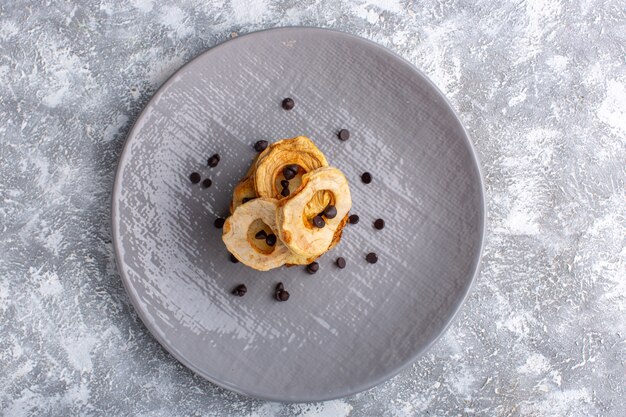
{"x": 541, "y": 87}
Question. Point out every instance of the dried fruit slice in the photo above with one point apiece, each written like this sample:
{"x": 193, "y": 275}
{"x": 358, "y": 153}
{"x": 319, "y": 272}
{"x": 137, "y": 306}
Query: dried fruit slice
{"x": 338, "y": 232}
{"x": 300, "y": 151}
{"x": 245, "y": 188}
{"x": 243, "y": 191}
{"x": 295, "y": 228}
{"x": 305, "y": 260}
{"x": 241, "y": 228}
{"x": 299, "y": 259}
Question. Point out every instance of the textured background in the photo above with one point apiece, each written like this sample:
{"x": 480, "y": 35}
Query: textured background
{"x": 541, "y": 87}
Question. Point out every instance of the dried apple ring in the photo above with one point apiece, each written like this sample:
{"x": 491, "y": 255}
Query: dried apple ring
{"x": 299, "y": 152}
{"x": 243, "y": 192}
{"x": 241, "y": 228}
{"x": 296, "y": 230}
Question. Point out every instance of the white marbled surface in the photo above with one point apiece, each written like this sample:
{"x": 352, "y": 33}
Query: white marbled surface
{"x": 541, "y": 87}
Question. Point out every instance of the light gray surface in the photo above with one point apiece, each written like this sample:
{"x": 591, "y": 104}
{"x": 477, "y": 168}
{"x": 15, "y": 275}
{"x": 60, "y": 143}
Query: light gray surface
{"x": 343, "y": 330}
{"x": 542, "y": 90}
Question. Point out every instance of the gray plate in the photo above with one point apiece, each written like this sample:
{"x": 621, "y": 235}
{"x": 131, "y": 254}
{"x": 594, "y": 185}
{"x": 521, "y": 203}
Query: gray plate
{"x": 342, "y": 331}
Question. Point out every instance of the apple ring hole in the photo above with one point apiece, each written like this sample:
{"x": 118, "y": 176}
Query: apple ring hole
{"x": 260, "y": 245}
{"x": 294, "y": 183}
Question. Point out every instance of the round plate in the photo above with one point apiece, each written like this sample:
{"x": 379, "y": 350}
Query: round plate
{"x": 342, "y": 330}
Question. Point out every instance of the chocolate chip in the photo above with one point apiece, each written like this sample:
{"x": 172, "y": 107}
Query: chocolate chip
{"x": 330, "y": 212}
{"x": 213, "y": 161}
{"x": 282, "y": 295}
{"x": 219, "y": 222}
{"x": 195, "y": 177}
{"x": 353, "y": 219}
{"x": 288, "y": 103}
{"x": 371, "y": 258}
{"x": 312, "y": 268}
{"x": 318, "y": 221}
{"x": 280, "y": 287}
{"x": 366, "y": 177}
{"x": 379, "y": 224}
{"x": 240, "y": 290}
{"x": 246, "y": 199}
{"x": 285, "y": 192}
{"x": 207, "y": 183}
{"x": 341, "y": 262}
{"x": 260, "y": 235}
{"x": 344, "y": 134}
{"x": 290, "y": 173}
{"x": 284, "y": 183}
{"x": 270, "y": 239}
{"x": 260, "y": 145}
{"x": 233, "y": 259}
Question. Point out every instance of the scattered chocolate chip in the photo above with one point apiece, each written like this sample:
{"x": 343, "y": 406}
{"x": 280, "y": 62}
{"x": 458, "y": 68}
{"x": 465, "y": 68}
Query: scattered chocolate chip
{"x": 270, "y": 239}
{"x": 379, "y": 224}
{"x": 195, "y": 177}
{"x": 260, "y": 235}
{"x": 280, "y": 287}
{"x": 213, "y": 161}
{"x": 282, "y": 295}
{"x": 284, "y": 183}
{"x": 240, "y": 290}
{"x": 344, "y": 134}
{"x": 290, "y": 173}
{"x": 233, "y": 259}
{"x": 341, "y": 262}
{"x": 260, "y": 145}
{"x": 219, "y": 222}
{"x": 246, "y": 199}
{"x": 312, "y": 268}
{"x": 285, "y": 192}
{"x": 371, "y": 258}
{"x": 330, "y": 212}
{"x": 207, "y": 183}
{"x": 288, "y": 103}
{"x": 353, "y": 219}
{"x": 318, "y": 221}
{"x": 366, "y": 177}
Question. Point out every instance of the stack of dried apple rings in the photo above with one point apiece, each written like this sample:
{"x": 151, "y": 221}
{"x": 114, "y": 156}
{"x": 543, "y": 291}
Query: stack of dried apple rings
{"x": 289, "y": 209}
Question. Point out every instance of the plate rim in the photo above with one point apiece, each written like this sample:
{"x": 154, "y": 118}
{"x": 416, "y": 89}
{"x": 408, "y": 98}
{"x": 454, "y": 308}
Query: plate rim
{"x": 348, "y": 391}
